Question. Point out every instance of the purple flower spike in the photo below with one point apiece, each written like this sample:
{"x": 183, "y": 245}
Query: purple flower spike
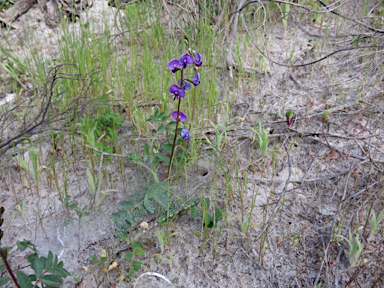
{"x": 182, "y": 116}
{"x": 186, "y": 84}
{"x": 174, "y": 65}
{"x": 177, "y": 92}
{"x": 198, "y": 61}
{"x": 185, "y": 134}
{"x": 185, "y": 60}
{"x": 196, "y": 79}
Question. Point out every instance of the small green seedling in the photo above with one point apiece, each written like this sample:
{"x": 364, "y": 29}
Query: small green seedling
{"x": 136, "y": 265}
{"x": 164, "y": 238}
{"x": 290, "y": 117}
{"x": 325, "y": 116}
{"x": 262, "y": 138}
{"x": 66, "y": 204}
{"x": 375, "y": 224}
{"x": 209, "y": 221}
{"x": 355, "y": 247}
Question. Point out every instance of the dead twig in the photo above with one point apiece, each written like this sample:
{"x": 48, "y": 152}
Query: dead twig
{"x": 333, "y": 226}
{"x": 209, "y": 278}
{"x": 281, "y": 198}
{"x": 342, "y": 153}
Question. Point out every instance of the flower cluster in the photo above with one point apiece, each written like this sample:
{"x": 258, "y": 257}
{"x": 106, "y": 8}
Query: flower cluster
{"x": 178, "y": 91}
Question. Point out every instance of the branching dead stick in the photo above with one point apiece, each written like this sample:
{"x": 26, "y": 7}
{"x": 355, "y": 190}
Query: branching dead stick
{"x": 305, "y": 64}
{"x": 342, "y": 153}
{"x": 342, "y": 172}
{"x": 363, "y": 190}
{"x": 282, "y": 2}
{"x": 282, "y": 195}
{"x": 333, "y": 226}
{"x": 258, "y": 265}
{"x": 313, "y": 12}
{"x": 333, "y": 135}
{"x": 354, "y": 21}
{"x": 209, "y": 278}
{"x": 334, "y": 109}
{"x": 174, "y": 20}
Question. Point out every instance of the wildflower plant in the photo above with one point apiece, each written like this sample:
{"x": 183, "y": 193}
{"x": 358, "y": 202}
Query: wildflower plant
{"x": 355, "y": 247}
{"x": 179, "y": 92}
{"x": 160, "y": 198}
{"x": 262, "y": 138}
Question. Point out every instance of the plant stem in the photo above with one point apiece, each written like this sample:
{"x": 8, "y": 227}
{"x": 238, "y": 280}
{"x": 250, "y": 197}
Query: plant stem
{"x": 177, "y": 124}
{"x": 174, "y": 139}
{"x": 4, "y": 257}
{"x": 193, "y": 108}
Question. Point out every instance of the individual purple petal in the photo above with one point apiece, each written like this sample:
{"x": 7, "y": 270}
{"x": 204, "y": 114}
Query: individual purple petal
{"x": 185, "y": 60}
{"x": 182, "y": 116}
{"x": 196, "y": 79}
{"x": 177, "y": 91}
{"x": 174, "y": 65}
{"x": 185, "y": 134}
{"x": 186, "y": 84}
{"x": 198, "y": 61}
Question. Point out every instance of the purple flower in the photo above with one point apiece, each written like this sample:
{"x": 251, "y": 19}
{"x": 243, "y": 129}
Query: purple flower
{"x": 186, "y": 84}
{"x": 185, "y": 134}
{"x": 185, "y": 60}
{"x": 177, "y": 92}
{"x": 196, "y": 79}
{"x": 174, "y": 65}
{"x": 198, "y": 61}
{"x": 182, "y": 116}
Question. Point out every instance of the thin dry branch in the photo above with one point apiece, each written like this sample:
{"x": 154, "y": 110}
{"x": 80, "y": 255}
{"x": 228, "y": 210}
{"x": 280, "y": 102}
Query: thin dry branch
{"x": 45, "y": 115}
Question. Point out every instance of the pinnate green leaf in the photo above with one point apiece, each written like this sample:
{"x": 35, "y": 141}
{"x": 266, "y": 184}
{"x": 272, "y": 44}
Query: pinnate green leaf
{"x": 162, "y": 198}
{"x": 162, "y": 157}
{"x": 52, "y": 280}
{"x": 128, "y": 256}
{"x": 59, "y": 271}
{"x": 156, "y": 188}
{"x": 194, "y": 212}
{"x": 127, "y": 205}
{"x": 138, "y": 251}
{"x": 136, "y": 265}
{"x": 23, "y": 280}
{"x": 38, "y": 266}
{"x": 22, "y": 245}
{"x": 137, "y": 245}
{"x": 131, "y": 272}
{"x": 32, "y": 257}
{"x": 149, "y": 206}
{"x": 167, "y": 147}
{"x": 4, "y": 280}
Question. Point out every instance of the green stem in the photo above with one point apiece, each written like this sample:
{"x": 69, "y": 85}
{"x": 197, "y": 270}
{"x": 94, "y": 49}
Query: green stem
{"x": 174, "y": 139}
{"x": 193, "y": 109}
{"x": 177, "y": 124}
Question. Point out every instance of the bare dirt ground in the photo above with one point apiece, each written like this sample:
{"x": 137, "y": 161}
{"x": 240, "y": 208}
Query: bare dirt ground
{"x": 324, "y": 179}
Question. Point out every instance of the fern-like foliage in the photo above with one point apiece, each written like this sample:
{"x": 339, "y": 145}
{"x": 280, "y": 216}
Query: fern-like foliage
{"x": 158, "y": 200}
